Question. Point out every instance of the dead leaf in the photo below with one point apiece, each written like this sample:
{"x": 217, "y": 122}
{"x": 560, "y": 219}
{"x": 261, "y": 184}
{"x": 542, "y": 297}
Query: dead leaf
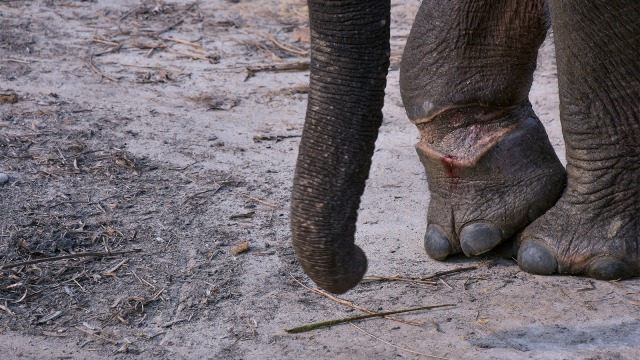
{"x": 302, "y": 34}
{"x": 8, "y": 98}
{"x": 240, "y": 248}
{"x": 23, "y": 244}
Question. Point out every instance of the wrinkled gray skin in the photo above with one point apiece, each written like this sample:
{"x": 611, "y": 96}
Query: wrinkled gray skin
{"x": 492, "y": 173}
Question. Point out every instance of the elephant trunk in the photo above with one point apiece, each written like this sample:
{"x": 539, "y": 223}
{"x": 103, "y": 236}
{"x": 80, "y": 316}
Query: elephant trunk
{"x": 349, "y": 63}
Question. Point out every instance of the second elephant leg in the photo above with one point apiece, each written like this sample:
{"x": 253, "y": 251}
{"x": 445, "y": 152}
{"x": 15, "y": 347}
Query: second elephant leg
{"x": 594, "y": 229}
{"x": 465, "y": 78}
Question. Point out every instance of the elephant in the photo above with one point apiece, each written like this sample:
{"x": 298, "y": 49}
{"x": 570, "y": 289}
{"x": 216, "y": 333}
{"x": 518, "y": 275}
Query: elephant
{"x": 492, "y": 173}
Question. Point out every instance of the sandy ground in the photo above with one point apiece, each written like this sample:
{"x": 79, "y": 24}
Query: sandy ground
{"x": 137, "y": 126}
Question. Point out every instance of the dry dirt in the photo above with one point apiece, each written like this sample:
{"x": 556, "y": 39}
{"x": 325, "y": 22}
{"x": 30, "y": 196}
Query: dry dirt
{"x": 136, "y": 125}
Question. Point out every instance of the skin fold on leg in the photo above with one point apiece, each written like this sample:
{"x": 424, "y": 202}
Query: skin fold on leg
{"x": 594, "y": 229}
{"x": 465, "y": 78}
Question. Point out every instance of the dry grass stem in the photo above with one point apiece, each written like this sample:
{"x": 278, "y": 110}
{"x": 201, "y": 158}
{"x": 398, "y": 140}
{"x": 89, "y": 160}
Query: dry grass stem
{"x": 112, "y": 271}
{"x": 258, "y": 200}
{"x": 318, "y": 325}
{"x": 354, "y": 306}
{"x": 95, "y": 70}
{"x": 292, "y": 66}
{"x": 449, "y": 272}
{"x": 72, "y": 256}
{"x": 213, "y": 191}
{"x": 397, "y": 278}
{"x": 422, "y": 280}
{"x": 291, "y": 49}
{"x": 18, "y": 60}
{"x": 446, "y": 284}
{"x": 106, "y": 42}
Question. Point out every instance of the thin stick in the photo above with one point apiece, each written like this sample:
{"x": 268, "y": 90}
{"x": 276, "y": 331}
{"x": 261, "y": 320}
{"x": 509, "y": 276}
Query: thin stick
{"x": 95, "y": 70}
{"x": 318, "y": 325}
{"x": 444, "y": 282}
{"x": 258, "y": 200}
{"x": 395, "y": 346}
{"x": 449, "y": 272}
{"x": 106, "y": 42}
{"x": 423, "y": 280}
{"x": 397, "y": 278}
{"x": 19, "y": 61}
{"x": 352, "y": 305}
{"x": 291, "y": 49}
{"x": 297, "y": 66}
{"x": 184, "y": 42}
{"x": 193, "y": 56}
{"x": 90, "y": 332}
{"x": 72, "y": 256}
{"x": 158, "y": 33}
{"x": 214, "y": 191}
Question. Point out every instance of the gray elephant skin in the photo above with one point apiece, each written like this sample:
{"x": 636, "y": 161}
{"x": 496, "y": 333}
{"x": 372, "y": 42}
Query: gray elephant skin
{"x": 493, "y": 176}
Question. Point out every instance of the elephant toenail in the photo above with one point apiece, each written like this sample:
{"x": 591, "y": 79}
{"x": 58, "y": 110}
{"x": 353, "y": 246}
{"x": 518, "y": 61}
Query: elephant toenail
{"x": 608, "y": 268}
{"x": 535, "y": 258}
{"x": 480, "y": 237}
{"x": 436, "y": 244}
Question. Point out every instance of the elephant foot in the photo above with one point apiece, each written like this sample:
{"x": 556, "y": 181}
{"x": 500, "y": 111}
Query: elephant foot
{"x": 586, "y": 233}
{"x": 491, "y": 172}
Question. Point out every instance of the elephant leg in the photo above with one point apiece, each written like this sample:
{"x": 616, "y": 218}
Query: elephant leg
{"x": 465, "y": 78}
{"x": 594, "y": 229}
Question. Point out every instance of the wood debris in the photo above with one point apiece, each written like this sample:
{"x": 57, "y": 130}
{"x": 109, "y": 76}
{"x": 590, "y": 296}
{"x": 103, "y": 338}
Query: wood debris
{"x": 242, "y": 247}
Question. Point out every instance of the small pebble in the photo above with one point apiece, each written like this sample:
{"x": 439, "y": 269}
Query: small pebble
{"x": 3, "y": 178}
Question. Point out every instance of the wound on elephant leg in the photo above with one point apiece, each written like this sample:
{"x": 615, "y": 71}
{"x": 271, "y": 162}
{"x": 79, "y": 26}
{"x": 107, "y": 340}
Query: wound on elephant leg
{"x": 450, "y": 163}
{"x": 491, "y": 171}
{"x": 460, "y": 137}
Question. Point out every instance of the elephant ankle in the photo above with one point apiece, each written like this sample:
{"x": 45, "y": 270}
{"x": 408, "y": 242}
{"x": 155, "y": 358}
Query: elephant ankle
{"x": 462, "y": 135}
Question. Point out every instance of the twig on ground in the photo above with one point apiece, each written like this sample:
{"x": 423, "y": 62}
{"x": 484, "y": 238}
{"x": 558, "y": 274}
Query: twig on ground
{"x": 422, "y": 280}
{"x": 396, "y": 346}
{"x": 276, "y": 138}
{"x": 166, "y": 47}
{"x": 193, "y": 56}
{"x": 112, "y": 271}
{"x": 143, "y": 281}
{"x": 18, "y": 60}
{"x": 352, "y": 305}
{"x": 321, "y": 324}
{"x": 158, "y": 33}
{"x": 106, "y": 42}
{"x": 449, "y": 272}
{"x": 214, "y": 191}
{"x": 71, "y": 256}
{"x": 94, "y": 333}
{"x": 95, "y": 70}
{"x": 290, "y": 49}
{"x": 447, "y": 285}
{"x": 6, "y": 309}
{"x": 172, "y": 322}
{"x": 397, "y": 278}
{"x": 258, "y": 200}
{"x": 293, "y": 66}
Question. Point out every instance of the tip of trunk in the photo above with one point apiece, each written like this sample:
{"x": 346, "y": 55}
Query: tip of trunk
{"x": 337, "y": 276}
